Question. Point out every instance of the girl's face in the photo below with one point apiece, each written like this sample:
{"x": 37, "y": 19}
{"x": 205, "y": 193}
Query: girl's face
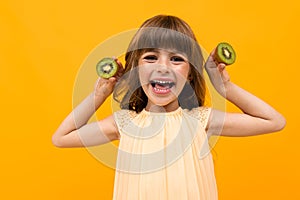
{"x": 163, "y": 75}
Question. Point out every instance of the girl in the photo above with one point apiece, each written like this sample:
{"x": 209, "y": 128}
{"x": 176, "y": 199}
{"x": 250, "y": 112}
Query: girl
{"x": 163, "y": 124}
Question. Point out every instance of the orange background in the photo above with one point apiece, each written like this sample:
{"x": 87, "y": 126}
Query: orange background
{"x": 43, "y": 44}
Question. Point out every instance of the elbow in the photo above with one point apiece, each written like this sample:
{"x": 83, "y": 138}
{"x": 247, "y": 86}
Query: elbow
{"x": 280, "y": 123}
{"x": 56, "y": 142}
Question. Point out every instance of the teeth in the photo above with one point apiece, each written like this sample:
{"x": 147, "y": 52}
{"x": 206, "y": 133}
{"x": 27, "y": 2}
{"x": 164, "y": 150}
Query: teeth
{"x": 167, "y": 84}
{"x": 161, "y": 82}
{"x": 160, "y": 90}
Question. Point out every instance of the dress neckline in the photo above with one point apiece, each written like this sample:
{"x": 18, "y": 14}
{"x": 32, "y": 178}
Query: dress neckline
{"x": 175, "y": 112}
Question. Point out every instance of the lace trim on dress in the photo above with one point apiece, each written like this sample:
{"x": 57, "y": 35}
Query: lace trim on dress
{"x": 201, "y": 114}
{"x": 124, "y": 117}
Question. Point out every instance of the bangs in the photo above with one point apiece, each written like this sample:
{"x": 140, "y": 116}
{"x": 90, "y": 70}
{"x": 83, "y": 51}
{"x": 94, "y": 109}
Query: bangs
{"x": 163, "y": 38}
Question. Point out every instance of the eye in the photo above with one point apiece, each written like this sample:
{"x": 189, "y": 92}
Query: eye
{"x": 177, "y": 59}
{"x": 150, "y": 58}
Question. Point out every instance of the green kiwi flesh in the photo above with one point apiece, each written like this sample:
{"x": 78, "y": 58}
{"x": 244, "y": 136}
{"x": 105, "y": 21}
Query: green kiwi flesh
{"x": 225, "y": 53}
{"x": 107, "y": 67}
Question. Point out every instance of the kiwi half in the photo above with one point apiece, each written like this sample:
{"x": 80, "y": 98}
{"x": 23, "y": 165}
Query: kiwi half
{"x": 225, "y": 53}
{"x": 107, "y": 67}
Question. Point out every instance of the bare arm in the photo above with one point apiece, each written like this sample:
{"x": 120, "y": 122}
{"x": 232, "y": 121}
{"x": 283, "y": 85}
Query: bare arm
{"x": 74, "y": 130}
{"x": 258, "y": 117}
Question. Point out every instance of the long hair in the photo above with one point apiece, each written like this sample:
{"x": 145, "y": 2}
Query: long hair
{"x": 162, "y": 32}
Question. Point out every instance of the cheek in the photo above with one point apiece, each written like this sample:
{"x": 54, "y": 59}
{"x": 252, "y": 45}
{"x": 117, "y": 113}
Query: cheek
{"x": 182, "y": 73}
{"x": 143, "y": 75}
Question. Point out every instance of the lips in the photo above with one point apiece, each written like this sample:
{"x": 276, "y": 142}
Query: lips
{"x": 162, "y": 86}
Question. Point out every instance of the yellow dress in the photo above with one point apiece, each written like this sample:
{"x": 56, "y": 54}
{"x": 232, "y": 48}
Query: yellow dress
{"x": 164, "y": 156}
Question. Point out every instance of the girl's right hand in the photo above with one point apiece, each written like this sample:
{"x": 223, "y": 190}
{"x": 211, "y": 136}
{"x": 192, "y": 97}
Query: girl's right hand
{"x": 217, "y": 73}
{"x": 104, "y": 87}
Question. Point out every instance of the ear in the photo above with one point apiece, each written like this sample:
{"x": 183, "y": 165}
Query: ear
{"x": 189, "y": 78}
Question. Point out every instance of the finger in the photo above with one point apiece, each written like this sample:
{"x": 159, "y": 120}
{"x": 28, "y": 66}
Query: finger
{"x": 97, "y": 81}
{"x": 118, "y": 76}
{"x": 210, "y": 63}
{"x": 211, "y": 57}
{"x": 111, "y": 83}
{"x": 212, "y": 53}
{"x": 112, "y": 79}
{"x": 221, "y": 67}
{"x": 118, "y": 62}
{"x": 120, "y": 71}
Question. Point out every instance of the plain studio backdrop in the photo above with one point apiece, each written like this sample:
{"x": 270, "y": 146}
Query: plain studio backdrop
{"x": 43, "y": 44}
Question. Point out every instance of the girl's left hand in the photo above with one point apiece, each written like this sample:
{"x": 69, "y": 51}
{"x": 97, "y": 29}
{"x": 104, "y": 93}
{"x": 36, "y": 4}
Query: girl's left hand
{"x": 217, "y": 73}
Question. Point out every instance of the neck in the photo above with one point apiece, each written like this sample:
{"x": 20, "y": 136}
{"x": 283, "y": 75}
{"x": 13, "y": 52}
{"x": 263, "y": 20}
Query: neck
{"x": 166, "y": 108}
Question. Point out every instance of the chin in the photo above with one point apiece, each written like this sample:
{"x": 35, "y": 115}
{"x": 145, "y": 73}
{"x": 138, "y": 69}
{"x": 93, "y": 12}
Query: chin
{"x": 163, "y": 102}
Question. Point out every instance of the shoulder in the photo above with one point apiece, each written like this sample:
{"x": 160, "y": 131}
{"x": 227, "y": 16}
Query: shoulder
{"x": 199, "y": 112}
{"x": 123, "y": 117}
{"x": 202, "y": 114}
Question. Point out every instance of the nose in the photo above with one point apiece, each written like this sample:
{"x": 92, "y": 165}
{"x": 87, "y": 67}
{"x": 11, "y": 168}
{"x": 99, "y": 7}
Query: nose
{"x": 163, "y": 66}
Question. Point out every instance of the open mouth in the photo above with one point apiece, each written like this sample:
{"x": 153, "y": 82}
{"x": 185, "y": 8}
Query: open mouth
{"x": 161, "y": 86}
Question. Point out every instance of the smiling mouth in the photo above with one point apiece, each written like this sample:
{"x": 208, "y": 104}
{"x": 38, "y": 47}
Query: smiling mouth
{"x": 162, "y": 87}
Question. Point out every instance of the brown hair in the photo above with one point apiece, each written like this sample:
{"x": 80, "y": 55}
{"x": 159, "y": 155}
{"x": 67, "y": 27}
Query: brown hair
{"x": 165, "y": 32}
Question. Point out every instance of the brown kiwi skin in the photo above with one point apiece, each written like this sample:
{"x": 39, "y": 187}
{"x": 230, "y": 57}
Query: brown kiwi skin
{"x": 220, "y": 59}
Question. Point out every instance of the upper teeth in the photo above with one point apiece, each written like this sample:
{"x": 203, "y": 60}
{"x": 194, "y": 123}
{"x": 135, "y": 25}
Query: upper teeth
{"x": 162, "y": 82}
